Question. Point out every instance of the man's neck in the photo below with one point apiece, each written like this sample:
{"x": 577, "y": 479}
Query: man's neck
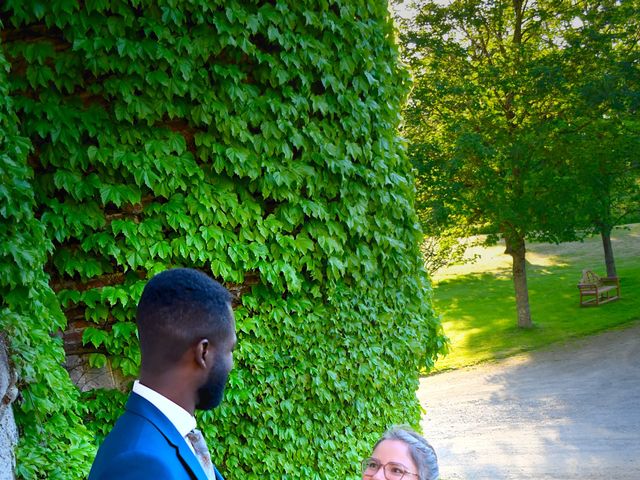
{"x": 169, "y": 388}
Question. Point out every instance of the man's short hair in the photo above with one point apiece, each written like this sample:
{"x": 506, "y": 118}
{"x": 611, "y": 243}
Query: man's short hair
{"x": 177, "y": 309}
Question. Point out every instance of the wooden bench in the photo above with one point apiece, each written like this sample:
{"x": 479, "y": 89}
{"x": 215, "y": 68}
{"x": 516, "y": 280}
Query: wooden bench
{"x": 596, "y": 290}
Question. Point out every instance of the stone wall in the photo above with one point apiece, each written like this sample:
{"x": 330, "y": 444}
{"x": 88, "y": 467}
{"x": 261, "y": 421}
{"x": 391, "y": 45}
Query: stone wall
{"x": 8, "y": 430}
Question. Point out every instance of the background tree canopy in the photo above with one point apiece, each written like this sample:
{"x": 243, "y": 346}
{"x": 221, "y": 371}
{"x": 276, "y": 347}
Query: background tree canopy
{"x": 523, "y": 119}
{"x": 253, "y": 140}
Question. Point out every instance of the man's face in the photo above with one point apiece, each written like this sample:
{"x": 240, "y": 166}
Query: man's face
{"x": 210, "y": 394}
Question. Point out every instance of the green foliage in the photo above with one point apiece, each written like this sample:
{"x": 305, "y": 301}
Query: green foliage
{"x": 607, "y": 109}
{"x": 507, "y": 106}
{"x": 258, "y": 143}
{"x": 29, "y": 314}
{"x": 485, "y": 115}
{"x": 444, "y": 250}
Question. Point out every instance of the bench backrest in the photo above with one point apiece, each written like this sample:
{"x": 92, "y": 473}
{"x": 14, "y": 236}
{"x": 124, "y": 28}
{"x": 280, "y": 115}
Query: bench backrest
{"x": 590, "y": 278}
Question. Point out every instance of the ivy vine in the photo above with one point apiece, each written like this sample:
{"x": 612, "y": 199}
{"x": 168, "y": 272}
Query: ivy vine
{"x": 256, "y": 141}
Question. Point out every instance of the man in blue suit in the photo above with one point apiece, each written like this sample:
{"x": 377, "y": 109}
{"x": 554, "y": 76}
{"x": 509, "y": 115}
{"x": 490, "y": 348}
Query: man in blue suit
{"x": 187, "y": 336}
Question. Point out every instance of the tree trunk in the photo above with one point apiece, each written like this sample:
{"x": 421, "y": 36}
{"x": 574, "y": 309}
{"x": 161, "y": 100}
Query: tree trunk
{"x": 516, "y": 248}
{"x": 609, "y": 261}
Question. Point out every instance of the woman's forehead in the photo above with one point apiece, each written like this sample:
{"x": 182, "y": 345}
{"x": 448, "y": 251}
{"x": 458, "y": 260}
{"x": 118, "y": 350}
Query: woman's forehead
{"x": 393, "y": 451}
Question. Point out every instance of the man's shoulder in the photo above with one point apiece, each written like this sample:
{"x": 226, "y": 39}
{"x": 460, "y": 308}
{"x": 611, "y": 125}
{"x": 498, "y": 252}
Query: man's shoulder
{"x": 141, "y": 427}
{"x": 135, "y": 429}
{"x": 137, "y": 438}
{"x": 134, "y": 433}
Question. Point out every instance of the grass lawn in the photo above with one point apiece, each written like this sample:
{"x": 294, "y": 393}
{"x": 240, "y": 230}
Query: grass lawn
{"x": 477, "y": 303}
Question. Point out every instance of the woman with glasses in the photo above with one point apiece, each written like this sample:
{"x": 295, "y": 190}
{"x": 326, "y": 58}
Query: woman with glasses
{"x": 401, "y": 454}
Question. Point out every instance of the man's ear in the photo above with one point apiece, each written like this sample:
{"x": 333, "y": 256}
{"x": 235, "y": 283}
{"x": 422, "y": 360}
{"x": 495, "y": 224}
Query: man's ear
{"x": 201, "y": 352}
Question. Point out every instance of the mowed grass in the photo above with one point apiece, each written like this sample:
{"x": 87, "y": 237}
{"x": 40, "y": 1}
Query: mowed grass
{"x": 477, "y": 301}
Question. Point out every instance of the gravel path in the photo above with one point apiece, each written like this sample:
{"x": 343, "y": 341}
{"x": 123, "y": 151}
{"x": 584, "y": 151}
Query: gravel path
{"x": 571, "y": 411}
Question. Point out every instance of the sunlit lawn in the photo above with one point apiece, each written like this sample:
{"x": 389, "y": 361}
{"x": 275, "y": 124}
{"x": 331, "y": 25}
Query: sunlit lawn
{"x": 477, "y": 302}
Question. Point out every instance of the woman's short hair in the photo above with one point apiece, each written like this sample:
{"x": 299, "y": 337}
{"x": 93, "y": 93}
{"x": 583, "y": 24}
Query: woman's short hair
{"x": 422, "y": 453}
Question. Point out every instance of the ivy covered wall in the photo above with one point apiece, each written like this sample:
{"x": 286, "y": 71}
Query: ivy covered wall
{"x": 54, "y": 440}
{"x": 254, "y": 140}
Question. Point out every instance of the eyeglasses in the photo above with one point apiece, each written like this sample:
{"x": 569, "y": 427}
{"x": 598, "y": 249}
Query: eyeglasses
{"x": 392, "y": 470}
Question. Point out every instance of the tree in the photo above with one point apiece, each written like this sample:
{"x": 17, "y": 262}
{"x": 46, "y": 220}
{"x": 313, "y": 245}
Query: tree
{"x": 611, "y": 179}
{"x": 491, "y": 121}
{"x": 607, "y": 140}
{"x": 443, "y": 244}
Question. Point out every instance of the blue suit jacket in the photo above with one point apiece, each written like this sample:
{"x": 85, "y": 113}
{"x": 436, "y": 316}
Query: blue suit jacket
{"x": 144, "y": 444}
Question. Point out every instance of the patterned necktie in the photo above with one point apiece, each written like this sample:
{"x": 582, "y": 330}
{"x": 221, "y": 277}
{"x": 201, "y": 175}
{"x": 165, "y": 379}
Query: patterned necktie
{"x": 202, "y": 452}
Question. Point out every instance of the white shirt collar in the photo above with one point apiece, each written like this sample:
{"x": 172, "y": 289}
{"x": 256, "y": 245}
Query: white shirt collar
{"x": 178, "y": 416}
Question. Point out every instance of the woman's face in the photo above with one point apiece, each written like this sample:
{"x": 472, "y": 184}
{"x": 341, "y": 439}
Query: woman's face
{"x": 395, "y": 452}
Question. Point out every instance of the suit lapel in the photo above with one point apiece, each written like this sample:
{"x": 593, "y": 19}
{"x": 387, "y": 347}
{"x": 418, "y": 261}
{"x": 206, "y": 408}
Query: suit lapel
{"x": 191, "y": 460}
{"x": 140, "y": 406}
